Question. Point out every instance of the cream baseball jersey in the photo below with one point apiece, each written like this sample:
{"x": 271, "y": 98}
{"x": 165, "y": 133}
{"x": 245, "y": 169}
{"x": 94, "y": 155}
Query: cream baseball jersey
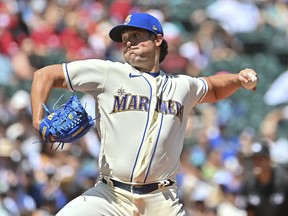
{"x": 142, "y": 118}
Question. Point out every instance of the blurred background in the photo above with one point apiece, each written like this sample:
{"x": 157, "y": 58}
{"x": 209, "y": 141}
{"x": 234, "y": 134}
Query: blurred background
{"x": 205, "y": 37}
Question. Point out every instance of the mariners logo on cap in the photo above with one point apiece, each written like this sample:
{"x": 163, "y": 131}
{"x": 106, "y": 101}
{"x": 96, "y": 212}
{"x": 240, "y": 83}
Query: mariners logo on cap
{"x": 128, "y": 19}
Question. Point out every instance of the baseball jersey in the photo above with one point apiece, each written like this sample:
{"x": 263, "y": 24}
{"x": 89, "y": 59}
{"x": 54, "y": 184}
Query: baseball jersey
{"x": 142, "y": 118}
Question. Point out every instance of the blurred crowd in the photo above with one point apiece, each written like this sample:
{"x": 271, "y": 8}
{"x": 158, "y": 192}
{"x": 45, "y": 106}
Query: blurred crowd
{"x": 204, "y": 37}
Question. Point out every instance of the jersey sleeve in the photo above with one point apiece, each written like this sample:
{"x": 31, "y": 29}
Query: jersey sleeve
{"x": 198, "y": 90}
{"x": 86, "y": 75}
{"x": 202, "y": 89}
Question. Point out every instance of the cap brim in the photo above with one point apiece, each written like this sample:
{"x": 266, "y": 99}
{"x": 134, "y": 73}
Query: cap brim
{"x": 116, "y": 33}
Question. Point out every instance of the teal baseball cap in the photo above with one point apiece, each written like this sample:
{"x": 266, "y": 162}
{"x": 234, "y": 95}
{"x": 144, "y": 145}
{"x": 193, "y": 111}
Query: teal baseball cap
{"x": 136, "y": 20}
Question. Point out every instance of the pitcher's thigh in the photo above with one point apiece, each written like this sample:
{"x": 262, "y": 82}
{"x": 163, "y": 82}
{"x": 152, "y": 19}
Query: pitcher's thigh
{"x": 89, "y": 206}
{"x": 97, "y": 201}
{"x": 165, "y": 203}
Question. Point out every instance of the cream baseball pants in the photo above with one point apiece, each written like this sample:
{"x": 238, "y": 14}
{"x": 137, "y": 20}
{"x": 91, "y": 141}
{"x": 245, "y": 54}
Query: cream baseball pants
{"x": 105, "y": 200}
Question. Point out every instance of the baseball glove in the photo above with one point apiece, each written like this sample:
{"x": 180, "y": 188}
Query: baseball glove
{"x": 66, "y": 124}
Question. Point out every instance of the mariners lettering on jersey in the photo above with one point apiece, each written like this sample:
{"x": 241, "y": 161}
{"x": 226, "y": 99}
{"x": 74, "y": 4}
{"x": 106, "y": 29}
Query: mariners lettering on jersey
{"x": 170, "y": 107}
{"x": 129, "y": 102}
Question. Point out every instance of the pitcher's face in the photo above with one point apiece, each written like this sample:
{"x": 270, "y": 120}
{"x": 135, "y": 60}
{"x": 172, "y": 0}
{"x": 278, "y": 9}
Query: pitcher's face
{"x": 139, "y": 48}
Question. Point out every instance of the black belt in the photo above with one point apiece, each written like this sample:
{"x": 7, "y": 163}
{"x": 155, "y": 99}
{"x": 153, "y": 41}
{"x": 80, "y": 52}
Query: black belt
{"x": 139, "y": 189}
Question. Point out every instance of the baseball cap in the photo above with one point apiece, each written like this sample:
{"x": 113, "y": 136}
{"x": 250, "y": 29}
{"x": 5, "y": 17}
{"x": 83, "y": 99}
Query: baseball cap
{"x": 137, "y": 20}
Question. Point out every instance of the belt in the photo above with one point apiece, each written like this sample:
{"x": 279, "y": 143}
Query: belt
{"x": 139, "y": 189}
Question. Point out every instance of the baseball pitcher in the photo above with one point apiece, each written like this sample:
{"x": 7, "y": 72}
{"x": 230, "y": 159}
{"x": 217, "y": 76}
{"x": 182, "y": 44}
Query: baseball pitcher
{"x": 143, "y": 113}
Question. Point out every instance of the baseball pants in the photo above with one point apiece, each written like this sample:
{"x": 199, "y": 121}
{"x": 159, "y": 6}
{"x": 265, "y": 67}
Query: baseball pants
{"x": 105, "y": 200}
